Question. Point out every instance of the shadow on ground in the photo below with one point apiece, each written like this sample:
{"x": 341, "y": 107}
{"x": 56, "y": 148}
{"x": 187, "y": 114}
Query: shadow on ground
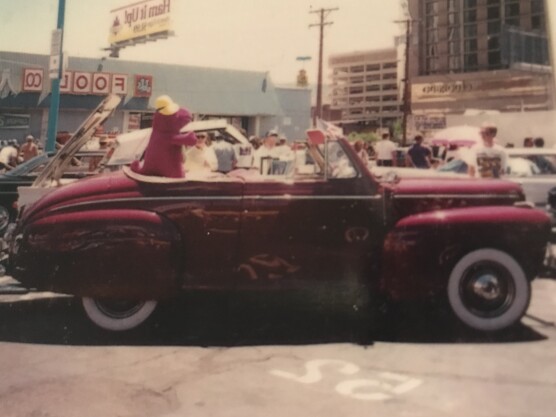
{"x": 224, "y": 319}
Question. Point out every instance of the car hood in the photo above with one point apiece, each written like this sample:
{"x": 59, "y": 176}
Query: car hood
{"x": 113, "y": 185}
{"x": 55, "y": 168}
{"x": 455, "y": 186}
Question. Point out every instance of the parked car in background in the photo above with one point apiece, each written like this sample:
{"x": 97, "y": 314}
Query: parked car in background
{"x": 124, "y": 242}
{"x": 26, "y": 173}
{"x": 532, "y": 168}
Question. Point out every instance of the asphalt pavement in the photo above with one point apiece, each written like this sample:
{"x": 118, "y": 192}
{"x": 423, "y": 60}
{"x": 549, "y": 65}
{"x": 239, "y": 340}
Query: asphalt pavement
{"x": 226, "y": 354}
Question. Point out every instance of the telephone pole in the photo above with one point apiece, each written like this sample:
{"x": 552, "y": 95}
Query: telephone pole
{"x": 323, "y": 14}
{"x": 406, "y": 97}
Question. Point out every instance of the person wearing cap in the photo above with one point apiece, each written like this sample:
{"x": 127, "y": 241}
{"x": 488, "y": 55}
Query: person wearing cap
{"x": 487, "y": 159}
{"x": 29, "y": 149}
{"x": 163, "y": 156}
{"x": 267, "y": 150}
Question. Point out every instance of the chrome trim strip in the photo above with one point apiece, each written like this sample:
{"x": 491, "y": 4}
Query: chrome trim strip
{"x": 221, "y": 198}
{"x": 481, "y": 196}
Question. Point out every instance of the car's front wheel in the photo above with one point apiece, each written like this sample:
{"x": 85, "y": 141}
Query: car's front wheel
{"x": 118, "y": 315}
{"x": 488, "y": 290}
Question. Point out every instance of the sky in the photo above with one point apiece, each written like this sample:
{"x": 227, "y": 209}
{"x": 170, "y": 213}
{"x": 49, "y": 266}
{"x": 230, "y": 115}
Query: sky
{"x": 257, "y": 35}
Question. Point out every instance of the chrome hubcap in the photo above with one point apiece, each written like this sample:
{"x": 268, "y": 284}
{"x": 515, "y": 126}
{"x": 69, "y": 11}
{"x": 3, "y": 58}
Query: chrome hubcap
{"x": 119, "y": 309}
{"x": 487, "y": 289}
{"x": 487, "y": 286}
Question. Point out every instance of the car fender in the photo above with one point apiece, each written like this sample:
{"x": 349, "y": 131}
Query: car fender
{"x": 100, "y": 253}
{"x": 421, "y": 249}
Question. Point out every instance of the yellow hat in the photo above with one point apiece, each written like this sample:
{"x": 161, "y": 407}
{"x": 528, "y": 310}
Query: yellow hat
{"x": 165, "y": 105}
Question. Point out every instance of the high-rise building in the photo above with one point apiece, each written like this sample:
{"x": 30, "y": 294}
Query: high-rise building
{"x": 480, "y": 54}
{"x": 365, "y": 88}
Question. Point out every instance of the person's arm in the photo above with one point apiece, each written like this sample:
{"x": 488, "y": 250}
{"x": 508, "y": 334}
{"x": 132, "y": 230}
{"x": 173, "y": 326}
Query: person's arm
{"x": 428, "y": 158}
{"x": 408, "y": 160}
{"x": 394, "y": 155}
{"x": 186, "y": 139}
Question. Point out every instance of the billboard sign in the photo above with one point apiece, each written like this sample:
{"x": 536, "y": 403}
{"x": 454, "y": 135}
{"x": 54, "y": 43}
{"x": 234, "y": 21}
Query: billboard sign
{"x": 139, "y": 22}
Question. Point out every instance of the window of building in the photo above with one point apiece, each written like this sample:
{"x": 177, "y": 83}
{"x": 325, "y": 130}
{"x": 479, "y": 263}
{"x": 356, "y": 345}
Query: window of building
{"x": 373, "y": 67}
{"x": 387, "y": 87}
{"x": 373, "y": 77}
{"x": 512, "y": 21}
{"x": 471, "y": 62}
{"x": 374, "y": 87}
{"x": 511, "y": 9}
{"x": 493, "y": 2}
{"x": 390, "y": 98}
{"x": 470, "y": 45}
{"x": 494, "y": 60}
{"x": 356, "y": 90}
{"x": 493, "y": 27}
{"x": 390, "y": 76}
{"x": 469, "y": 4}
{"x": 358, "y": 68}
{"x": 452, "y": 5}
{"x": 432, "y": 64}
{"x": 372, "y": 99}
{"x": 493, "y": 42}
{"x": 470, "y": 31}
{"x": 537, "y": 23}
{"x": 493, "y": 12}
{"x": 390, "y": 108}
{"x": 390, "y": 65}
{"x": 470, "y": 15}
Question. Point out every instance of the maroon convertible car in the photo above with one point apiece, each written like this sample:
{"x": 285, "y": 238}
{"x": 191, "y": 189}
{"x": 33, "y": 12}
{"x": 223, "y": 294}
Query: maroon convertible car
{"x": 124, "y": 242}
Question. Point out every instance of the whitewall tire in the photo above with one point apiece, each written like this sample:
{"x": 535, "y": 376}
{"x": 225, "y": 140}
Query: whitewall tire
{"x": 488, "y": 290}
{"x": 118, "y": 316}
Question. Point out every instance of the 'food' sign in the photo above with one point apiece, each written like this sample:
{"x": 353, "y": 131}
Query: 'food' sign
{"x": 83, "y": 82}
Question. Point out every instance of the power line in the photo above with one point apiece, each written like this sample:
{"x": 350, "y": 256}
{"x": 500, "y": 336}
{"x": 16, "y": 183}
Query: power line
{"x": 323, "y": 15}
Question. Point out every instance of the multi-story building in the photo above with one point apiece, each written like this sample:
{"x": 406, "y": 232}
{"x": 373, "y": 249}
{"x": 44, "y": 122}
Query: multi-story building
{"x": 479, "y": 54}
{"x": 365, "y": 89}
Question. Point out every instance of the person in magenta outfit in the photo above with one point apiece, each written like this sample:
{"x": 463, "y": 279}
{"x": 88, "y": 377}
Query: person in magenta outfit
{"x": 163, "y": 156}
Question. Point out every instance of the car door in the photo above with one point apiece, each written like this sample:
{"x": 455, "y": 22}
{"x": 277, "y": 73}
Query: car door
{"x": 318, "y": 228}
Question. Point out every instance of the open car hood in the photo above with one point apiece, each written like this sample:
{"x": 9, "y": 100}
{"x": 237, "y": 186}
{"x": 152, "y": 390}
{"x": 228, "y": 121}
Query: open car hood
{"x": 57, "y": 165}
{"x": 130, "y": 146}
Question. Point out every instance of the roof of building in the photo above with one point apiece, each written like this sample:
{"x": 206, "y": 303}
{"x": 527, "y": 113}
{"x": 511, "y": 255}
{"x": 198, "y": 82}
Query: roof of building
{"x": 202, "y": 90}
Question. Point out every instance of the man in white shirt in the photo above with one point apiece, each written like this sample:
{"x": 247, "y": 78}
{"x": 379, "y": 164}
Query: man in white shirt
{"x": 200, "y": 157}
{"x": 487, "y": 159}
{"x": 244, "y": 155}
{"x": 267, "y": 150}
{"x": 9, "y": 155}
{"x": 385, "y": 152}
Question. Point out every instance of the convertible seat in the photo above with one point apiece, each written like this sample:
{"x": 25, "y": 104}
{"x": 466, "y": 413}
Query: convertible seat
{"x": 190, "y": 176}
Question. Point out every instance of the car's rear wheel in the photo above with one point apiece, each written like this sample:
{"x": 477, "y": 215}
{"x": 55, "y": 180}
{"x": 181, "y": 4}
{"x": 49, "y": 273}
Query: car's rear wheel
{"x": 118, "y": 315}
{"x": 488, "y": 290}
